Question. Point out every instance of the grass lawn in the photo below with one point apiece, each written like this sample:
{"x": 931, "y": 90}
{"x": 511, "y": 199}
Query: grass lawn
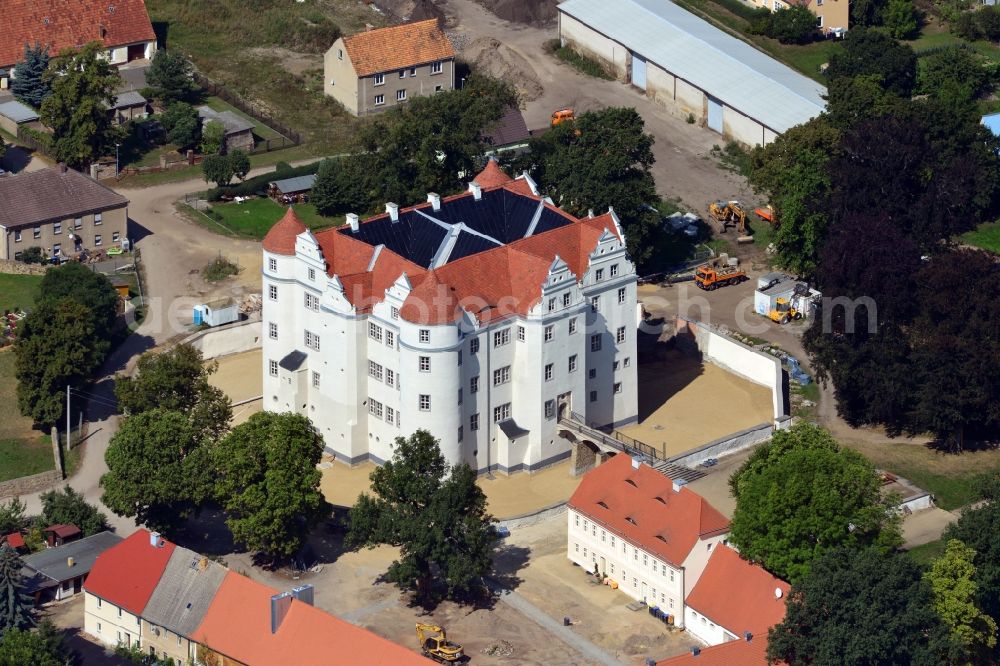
{"x": 18, "y": 291}
{"x": 260, "y": 130}
{"x": 23, "y": 458}
{"x": 987, "y": 236}
{"x": 253, "y": 219}
{"x": 23, "y": 450}
{"x": 935, "y": 35}
{"x": 924, "y": 554}
{"x": 292, "y": 154}
{"x": 950, "y": 477}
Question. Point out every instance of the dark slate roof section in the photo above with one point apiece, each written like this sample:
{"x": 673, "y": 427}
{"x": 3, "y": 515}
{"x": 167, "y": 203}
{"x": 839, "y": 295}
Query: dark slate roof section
{"x": 53, "y": 563}
{"x": 185, "y": 591}
{"x": 510, "y": 428}
{"x": 499, "y": 215}
{"x": 510, "y": 129}
{"x": 51, "y": 194}
{"x": 293, "y": 360}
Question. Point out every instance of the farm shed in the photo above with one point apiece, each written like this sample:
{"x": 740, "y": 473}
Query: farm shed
{"x": 239, "y": 131}
{"x": 691, "y": 67}
{"x": 14, "y": 114}
{"x": 292, "y": 186}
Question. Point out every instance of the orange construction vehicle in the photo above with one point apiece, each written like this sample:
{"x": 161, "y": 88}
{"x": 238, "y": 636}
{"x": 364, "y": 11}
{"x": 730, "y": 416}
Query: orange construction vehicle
{"x": 710, "y": 278}
{"x": 562, "y": 115}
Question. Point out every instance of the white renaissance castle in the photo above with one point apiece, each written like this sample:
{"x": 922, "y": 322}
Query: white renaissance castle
{"x": 480, "y": 317}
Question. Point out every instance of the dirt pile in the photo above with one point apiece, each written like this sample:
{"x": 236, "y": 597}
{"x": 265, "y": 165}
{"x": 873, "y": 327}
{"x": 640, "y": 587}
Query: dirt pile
{"x": 490, "y": 56}
{"x": 529, "y": 12}
{"x": 407, "y": 11}
{"x": 499, "y": 649}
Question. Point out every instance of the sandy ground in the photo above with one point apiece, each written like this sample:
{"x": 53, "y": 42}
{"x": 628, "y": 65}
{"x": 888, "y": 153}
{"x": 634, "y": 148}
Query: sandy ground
{"x": 508, "y": 497}
{"x": 684, "y": 404}
{"x": 240, "y": 376}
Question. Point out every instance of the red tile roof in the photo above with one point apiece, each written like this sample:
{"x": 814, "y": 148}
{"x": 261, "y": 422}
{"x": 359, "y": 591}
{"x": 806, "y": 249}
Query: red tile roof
{"x": 733, "y": 653}
{"x": 14, "y": 540}
{"x": 737, "y": 595}
{"x": 492, "y": 175}
{"x": 398, "y": 47}
{"x": 641, "y": 506}
{"x": 127, "y": 574}
{"x": 62, "y": 24}
{"x": 280, "y": 239}
{"x": 238, "y": 625}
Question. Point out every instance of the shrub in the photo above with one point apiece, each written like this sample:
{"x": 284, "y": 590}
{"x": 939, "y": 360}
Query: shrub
{"x": 33, "y": 255}
{"x": 219, "y": 269}
{"x": 582, "y": 63}
{"x": 259, "y": 183}
{"x": 794, "y": 25}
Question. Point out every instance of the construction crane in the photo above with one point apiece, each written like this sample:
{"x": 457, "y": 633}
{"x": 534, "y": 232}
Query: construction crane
{"x": 435, "y": 644}
{"x": 729, "y": 213}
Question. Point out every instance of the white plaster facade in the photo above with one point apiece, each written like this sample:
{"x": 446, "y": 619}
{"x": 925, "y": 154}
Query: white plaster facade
{"x": 704, "y": 629}
{"x": 108, "y": 623}
{"x": 490, "y": 391}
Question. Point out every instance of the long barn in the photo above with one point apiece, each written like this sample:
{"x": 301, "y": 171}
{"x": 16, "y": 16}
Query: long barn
{"x": 691, "y": 67}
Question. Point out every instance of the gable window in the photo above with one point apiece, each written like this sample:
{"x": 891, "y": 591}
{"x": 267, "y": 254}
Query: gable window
{"x": 400, "y": 95}
{"x": 425, "y": 335}
{"x": 437, "y": 67}
{"x": 394, "y": 312}
{"x": 378, "y": 79}
{"x": 379, "y": 100}
{"x": 312, "y": 273}
{"x": 340, "y": 54}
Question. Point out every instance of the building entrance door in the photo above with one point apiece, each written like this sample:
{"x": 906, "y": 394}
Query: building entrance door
{"x": 638, "y": 71}
{"x": 644, "y": 591}
{"x": 604, "y": 567}
{"x": 714, "y": 114}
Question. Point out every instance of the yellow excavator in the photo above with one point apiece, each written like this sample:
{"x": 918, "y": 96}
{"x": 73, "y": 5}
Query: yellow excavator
{"x": 727, "y": 214}
{"x": 435, "y": 644}
{"x": 784, "y": 312}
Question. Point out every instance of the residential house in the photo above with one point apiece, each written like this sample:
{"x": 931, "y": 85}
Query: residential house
{"x": 61, "y": 211}
{"x": 239, "y": 130}
{"x": 120, "y": 585}
{"x": 832, "y": 16}
{"x": 481, "y": 317}
{"x": 652, "y": 536}
{"x": 58, "y": 535}
{"x": 692, "y": 68}
{"x": 732, "y": 598}
{"x": 376, "y": 70}
{"x": 122, "y": 26}
{"x": 251, "y": 624}
{"x": 60, "y": 572}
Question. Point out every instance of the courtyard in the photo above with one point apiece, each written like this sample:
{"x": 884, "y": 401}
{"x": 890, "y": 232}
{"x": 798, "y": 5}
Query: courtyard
{"x": 241, "y": 377}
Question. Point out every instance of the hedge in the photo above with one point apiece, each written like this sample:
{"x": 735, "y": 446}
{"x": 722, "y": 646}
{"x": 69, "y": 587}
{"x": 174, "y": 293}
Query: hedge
{"x": 258, "y": 184}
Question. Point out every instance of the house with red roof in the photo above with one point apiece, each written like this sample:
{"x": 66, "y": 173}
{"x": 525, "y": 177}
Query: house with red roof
{"x": 375, "y": 70}
{"x": 646, "y": 534}
{"x": 734, "y": 598}
{"x": 121, "y": 26}
{"x": 746, "y": 651}
{"x": 483, "y": 317}
{"x": 119, "y": 586}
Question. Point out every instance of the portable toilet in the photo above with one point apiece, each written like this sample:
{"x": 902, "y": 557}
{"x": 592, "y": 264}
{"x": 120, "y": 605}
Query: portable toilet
{"x": 198, "y": 315}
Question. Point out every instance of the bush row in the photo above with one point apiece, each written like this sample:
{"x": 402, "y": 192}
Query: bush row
{"x": 257, "y": 184}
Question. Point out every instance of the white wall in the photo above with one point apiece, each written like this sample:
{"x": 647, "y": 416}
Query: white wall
{"x": 590, "y": 42}
{"x": 230, "y": 339}
{"x": 703, "y": 628}
{"x": 742, "y": 128}
{"x": 697, "y": 560}
{"x": 108, "y": 623}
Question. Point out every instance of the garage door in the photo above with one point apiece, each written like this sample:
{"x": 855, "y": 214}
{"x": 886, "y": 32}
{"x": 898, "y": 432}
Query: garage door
{"x": 638, "y": 71}
{"x": 714, "y": 114}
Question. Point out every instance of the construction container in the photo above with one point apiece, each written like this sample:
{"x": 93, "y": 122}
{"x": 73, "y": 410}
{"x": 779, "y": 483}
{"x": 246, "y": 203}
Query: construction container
{"x": 217, "y": 312}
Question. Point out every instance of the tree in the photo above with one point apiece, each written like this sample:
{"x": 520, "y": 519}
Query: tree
{"x": 44, "y": 647}
{"x": 12, "y": 517}
{"x": 340, "y": 185}
{"x": 182, "y": 124}
{"x": 15, "y": 605}
{"x": 851, "y": 100}
{"x": 84, "y": 86}
{"x": 901, "y": 19}
{"x": 94, "y": 290}
{"x": 866, "y": 13}
{"x": 795, "y": 24}
{"x": 800, "y": 495}
{"x": 68, "y": 507}
{"x": 177, "y": 380}
{"x": 870, "y": 52}
{"x": 158, "y": 472}
{"x": 30, "y": 85}
{"x": 793, "y": 171}
{"x": 217, "y": 169}
{"x": 434, "y": 514}
{"x": 951, "y": 578}
{"x": 860, "y": 608}
{"x": 956, "y": 70}
{"x": 239, "y": 163}
{"x": 268, "y": 483}
{"x": 56, "y": 346}
{"x": 213, "y": 138}
{"x": 169, "y": 77}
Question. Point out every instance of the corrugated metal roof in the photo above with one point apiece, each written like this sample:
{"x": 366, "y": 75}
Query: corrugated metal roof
{"x": 185, "y": 591}
{"x": 992, "y": 123}
{"x": 723, "y": 66}
{"x": 128, "y": 98}
{"x": 296, "y": 184}
{"x": 18, "y": 112}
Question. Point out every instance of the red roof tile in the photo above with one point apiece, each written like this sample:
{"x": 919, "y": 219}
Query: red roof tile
{"x": 62, "y": 24}
{"x": 431, "y": 302}
{"x": 238, "y": 625}
{"x": 733, "y": 653}
{"x": 737, "y": 595}
{"x": 491, "y": 176}
{"x": 127, "y": 574}
{"x": 641, "y": 506}
{"x": 14, "y": 540}
{"x": 398, "y": 47}
{"x": 280, "y": 239}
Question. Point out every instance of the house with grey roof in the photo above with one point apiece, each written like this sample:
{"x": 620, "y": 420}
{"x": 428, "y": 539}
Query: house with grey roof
{"x": 61, "y": 211}
{"x": 239, "y": 130}
{"x": 179, "y": 603}
{"x": 129, "y": 105}
{"x": 58, "y": 573}
{"x": 692, "y": 68}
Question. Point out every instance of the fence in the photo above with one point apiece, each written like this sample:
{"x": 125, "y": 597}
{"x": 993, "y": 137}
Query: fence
{"x": 29, "y": 139}
{"x": 248, "y": 108}
{"x": 614, "y": 439}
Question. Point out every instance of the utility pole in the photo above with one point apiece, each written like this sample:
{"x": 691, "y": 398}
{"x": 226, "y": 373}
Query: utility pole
{"x": 68, "y": 424}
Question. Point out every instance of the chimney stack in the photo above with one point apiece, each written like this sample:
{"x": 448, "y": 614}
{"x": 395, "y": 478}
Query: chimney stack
{"x": 434, "y": 199}
{"x": 70, "y": 562}
{"x": 303, "y": 593}
{"x": 202, "y": 564}
{"x": 155, "y": 540}
{"x": 695, "y": 650}
{"x": 747, "y": 636}
{"x": 678, "y": 484}
{"x": 477, "y": 191}
{"x": 280, "y": 603}
{"x": 352, "y": 219}
{"x": 393, "y": 210}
